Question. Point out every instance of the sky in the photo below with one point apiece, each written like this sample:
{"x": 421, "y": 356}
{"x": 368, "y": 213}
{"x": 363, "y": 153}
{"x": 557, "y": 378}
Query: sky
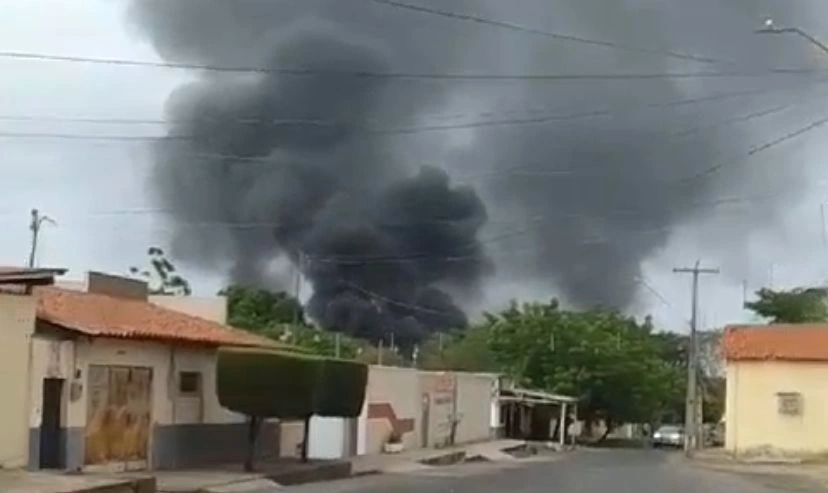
{"x": 100, "y": 197}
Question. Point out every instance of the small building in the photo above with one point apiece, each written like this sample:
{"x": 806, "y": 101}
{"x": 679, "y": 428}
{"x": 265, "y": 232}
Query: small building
{"x": 776, "y": 393}
{"x": 537, "y": 416}
{"x": 17, "y": 323}
{"x": 116, "y": 382}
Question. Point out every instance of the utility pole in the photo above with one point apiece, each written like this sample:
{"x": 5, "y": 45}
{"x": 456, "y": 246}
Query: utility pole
{"x": 297, "y": 287}
{"x": 337, "y": 344}
{"x": 34, "y": 226}
{"x": 691, "y": 438}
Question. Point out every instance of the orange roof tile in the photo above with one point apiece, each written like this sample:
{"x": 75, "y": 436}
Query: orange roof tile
{"x": 99, "y": 315}
{"x": 786, "y": 342}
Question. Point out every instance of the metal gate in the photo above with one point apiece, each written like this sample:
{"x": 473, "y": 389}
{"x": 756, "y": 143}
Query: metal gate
{"x": 118, "y": 416}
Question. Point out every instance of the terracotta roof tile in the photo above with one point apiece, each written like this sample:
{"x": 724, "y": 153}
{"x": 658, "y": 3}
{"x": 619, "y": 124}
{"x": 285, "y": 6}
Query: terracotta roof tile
{"x": 787, "y": 342}
{"x": 106, "y": 316}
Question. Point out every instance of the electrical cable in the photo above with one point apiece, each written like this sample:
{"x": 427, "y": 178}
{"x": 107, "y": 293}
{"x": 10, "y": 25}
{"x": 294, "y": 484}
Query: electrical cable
{"x": 549, "y": 34}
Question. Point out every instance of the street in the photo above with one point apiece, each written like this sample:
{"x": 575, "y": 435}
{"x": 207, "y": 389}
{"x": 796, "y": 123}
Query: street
{"x": 587, "y": 471}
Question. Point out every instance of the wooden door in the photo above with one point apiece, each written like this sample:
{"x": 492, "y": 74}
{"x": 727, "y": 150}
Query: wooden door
{"x": 118, "y": 415}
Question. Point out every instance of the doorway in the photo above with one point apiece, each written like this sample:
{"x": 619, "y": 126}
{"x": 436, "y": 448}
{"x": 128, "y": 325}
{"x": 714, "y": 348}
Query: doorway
{"x": 51, "y": 440}
{"x": 118, "y": 417}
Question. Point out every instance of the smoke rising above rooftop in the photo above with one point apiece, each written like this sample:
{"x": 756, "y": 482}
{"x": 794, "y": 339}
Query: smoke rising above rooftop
{"x": 391, "y": 215}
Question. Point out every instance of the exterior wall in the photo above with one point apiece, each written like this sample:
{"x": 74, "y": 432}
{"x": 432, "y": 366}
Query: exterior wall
{"x": 186, "y": 432}
{"x": 394, "y": 402}
{"x": 474, "y": 407}
{"x": 51, "y": 358}
{"x": 17, "y": 322}
{"x": 753, "y": 421}
{"x": 422, "y": 405}
{"x": 291, "y": 434}
{"x": 441, "y": 389}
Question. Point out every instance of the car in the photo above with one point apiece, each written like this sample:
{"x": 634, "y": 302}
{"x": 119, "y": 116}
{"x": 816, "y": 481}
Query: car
{"x": 669, "y": 436}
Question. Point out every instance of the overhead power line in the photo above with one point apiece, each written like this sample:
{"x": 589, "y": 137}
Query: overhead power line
{"x": 380, "y": 126}
{"x": 314, "y": 72}
{"x": 548, "y": 34}
{"x": 531, "y": 120}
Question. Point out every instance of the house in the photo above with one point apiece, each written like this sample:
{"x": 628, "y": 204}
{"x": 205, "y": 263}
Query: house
{"x": 776, "y": 393}
{"x": 116, "y": 382}
{"x": 17, "y": 322}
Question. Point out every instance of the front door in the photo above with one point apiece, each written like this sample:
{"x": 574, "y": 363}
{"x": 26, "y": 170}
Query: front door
{"x": 118, "y": 416}
{"x": 50, "y": 428}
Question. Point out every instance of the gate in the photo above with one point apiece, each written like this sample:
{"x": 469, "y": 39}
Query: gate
{"x": 118, "y": 416}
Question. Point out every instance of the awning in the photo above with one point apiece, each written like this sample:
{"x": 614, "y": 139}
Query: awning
{"x": 534, "y": 397}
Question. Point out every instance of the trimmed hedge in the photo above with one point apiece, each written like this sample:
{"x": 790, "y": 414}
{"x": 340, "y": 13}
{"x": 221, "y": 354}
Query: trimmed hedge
{"x": 267, "y": 383}
{"x": 341, "y": 390}
{"x": 289, "y": 385}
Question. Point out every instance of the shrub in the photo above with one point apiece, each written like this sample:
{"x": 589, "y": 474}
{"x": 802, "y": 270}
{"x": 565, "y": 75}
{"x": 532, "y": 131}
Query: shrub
{"x": 268, "y": 383}
{"x": 341, "y": 388}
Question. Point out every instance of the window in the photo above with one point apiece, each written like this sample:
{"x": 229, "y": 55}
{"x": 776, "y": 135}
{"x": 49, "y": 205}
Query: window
{"x": 189, "y": 383}
{"x": 790, "y": 403}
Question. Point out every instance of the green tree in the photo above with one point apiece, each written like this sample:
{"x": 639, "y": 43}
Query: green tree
{"x": 281, "y": 317}
{"x": 611, "y": 362}
{"x": 462, "y": 351}
{"x": 260, "y": 310}
{"x": 798, "y": 305}
{"x": 161, "y": 276}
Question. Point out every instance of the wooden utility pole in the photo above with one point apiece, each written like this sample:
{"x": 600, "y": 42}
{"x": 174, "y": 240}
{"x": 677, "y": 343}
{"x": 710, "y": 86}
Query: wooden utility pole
{"x": 691, "y": 427}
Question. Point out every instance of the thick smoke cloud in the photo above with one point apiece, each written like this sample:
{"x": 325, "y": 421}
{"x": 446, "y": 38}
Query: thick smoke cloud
{"x": 314, "y": 168}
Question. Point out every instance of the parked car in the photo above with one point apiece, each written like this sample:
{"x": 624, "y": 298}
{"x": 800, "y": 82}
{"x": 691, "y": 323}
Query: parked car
{"x": 669, "y": 436}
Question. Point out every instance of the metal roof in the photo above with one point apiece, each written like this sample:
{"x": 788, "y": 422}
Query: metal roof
{"x": 536, "y": 396}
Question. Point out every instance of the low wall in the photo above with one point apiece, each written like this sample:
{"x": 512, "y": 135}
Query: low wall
{"x": 422, "y": 407}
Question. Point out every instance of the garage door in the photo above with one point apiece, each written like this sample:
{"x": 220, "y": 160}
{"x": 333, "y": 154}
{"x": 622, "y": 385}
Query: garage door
{"x": 118, "y": 416}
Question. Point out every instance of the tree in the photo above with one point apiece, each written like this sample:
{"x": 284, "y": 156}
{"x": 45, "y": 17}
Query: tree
{"x": 272, "y": 384}
{"x": 261, "y": 310}
{"x": 611, "y": 362}
{"x": 162, "y": 277}
{"x": 798, "y": 305}
{"x": 463, "y": 351}
{"x": 281, "y": 317}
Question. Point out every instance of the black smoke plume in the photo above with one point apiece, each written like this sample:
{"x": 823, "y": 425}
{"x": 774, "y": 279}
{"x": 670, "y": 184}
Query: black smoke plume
{"x": 328, "y": 171}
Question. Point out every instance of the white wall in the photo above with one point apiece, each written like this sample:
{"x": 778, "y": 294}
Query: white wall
{"x": 754, "y": 423}
{"x": 165, "y": 361}
{"x": 17, "y": 321}
{"x": 51, "y": 358}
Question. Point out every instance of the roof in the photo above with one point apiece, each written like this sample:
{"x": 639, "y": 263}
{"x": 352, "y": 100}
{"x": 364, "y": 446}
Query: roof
{"x": 99, "y": 315}
{"x": 534, "y": 396}
{"x": 780, "y": 342}
{"x": 25, "y": 275}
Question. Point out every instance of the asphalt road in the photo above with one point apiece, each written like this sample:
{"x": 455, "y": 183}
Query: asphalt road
{"x": 616, "y": 471}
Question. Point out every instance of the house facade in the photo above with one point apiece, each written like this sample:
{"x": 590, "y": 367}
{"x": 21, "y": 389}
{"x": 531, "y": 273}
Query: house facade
{"x": 116, "y": 382}
{"x": 776, "y": 389}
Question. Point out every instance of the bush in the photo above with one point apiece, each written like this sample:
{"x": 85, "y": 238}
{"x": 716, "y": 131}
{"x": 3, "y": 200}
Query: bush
{"x": 268, "y": 383}
{"x": 341, "y": 388}
{"x": 284, "y": 385}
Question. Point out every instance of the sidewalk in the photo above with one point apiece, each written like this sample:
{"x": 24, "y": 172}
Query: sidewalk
{"x": 43, "y": 482}
{"x": 719, "y": 460}
{"x": 412, "y": 459}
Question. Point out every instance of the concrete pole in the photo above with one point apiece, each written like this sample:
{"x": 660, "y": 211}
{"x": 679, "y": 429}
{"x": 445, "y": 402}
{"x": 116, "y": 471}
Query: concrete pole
{"x": 691, "y": 440}
{"x": 562, "y": 426}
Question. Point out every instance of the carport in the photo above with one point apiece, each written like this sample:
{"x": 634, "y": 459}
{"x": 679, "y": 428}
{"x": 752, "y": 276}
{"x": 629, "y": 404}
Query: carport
{"x": 528, "y": 414}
